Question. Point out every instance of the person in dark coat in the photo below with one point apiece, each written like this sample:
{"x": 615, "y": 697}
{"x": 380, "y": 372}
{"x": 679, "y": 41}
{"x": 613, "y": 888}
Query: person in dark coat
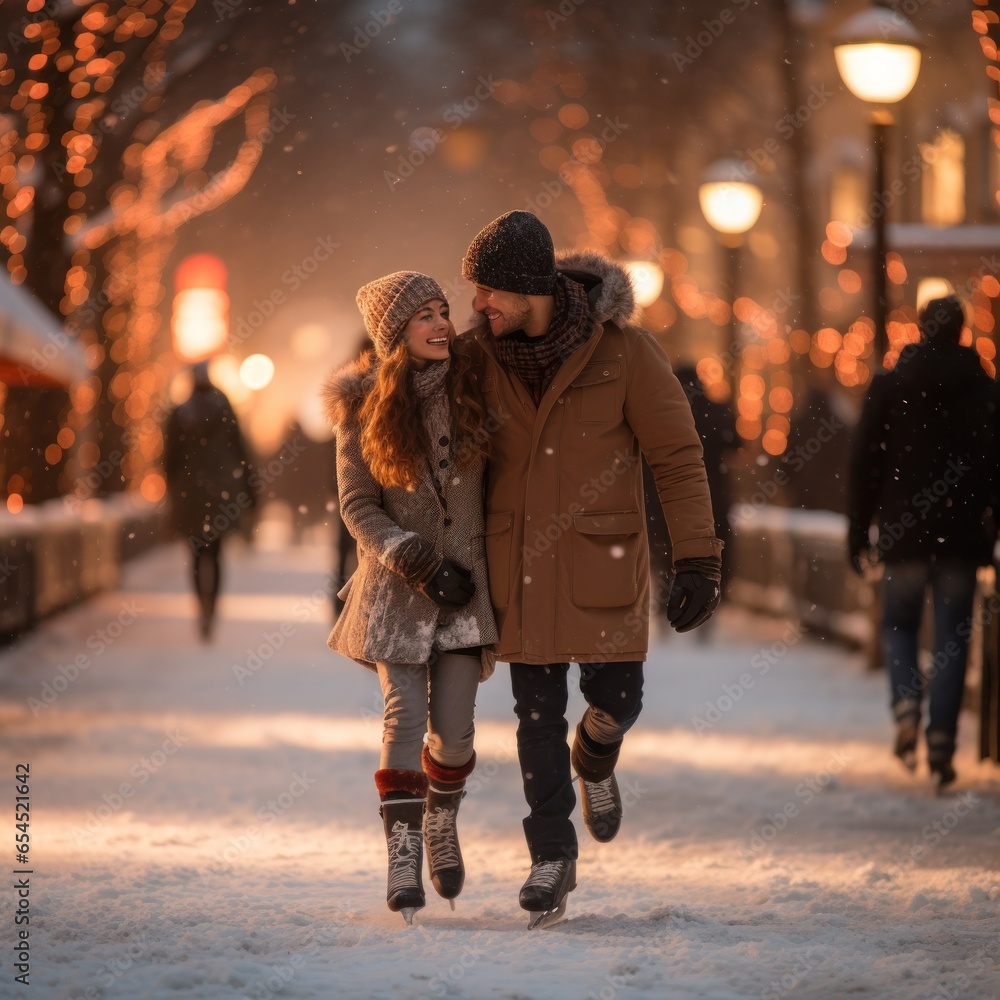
{"x": 716, "y": 426}
{"x": 922, "y": 468}
{"x": 209, "y": 481}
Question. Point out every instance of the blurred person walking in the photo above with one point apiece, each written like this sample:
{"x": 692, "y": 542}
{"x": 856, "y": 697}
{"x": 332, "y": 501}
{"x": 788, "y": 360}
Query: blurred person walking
{"x": 411, "y": 454}
{"x": 923, "y": 469}
{"x": 209, "y": 483}
{"x": 716, "y": 426}
{"x": 575, "y": 394}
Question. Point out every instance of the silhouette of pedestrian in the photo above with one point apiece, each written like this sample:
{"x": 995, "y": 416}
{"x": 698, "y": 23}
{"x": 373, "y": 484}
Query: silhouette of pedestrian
{"x": 209, "y": 481}
{"x": 923, "y": 467}
{"x": 716, "y": 426}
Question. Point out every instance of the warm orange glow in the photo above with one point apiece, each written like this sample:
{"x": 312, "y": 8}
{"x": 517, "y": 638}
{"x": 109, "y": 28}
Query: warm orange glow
{"x": 780, "y": 400}
{"x": 832, "y": 253}
{"x": 751, "y": 388}
{"x": 544, "y": 130}
{"x": 895, "y": 269}
{"x": 15, "y": 503}
{"x": 553, "y": 157}
{"x": 153, "y": 487}
{"x": 200, "y": 323}
{"x": 201, "y": 270}
{"x": 849, "y": 281}
{"x": 828, "y": 340}
{"x": 774, "y": 442}
{"x": 710, "y": 370}
{"x": 800, "y": 341}
{"x": 831, "y": 299}
{"x": 839, "y": 234}
{"x": 587, "y": 150}
{"x": 754, "y": 357}
{"x": 778, "y": 351}
{"x": 574, "y": 116}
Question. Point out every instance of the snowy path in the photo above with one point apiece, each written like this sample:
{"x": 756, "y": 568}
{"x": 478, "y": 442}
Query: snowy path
{"x": 204, "y": 822}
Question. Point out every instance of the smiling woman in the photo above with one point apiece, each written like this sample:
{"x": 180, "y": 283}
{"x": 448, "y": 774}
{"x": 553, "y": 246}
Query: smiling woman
{"x": 411, "y": 456}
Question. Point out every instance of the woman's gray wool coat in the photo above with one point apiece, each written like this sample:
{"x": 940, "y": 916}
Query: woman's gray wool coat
{"x": 385, "y": 618}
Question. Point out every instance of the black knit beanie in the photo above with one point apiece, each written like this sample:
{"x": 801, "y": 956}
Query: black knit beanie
{"x": 513, "y": 254}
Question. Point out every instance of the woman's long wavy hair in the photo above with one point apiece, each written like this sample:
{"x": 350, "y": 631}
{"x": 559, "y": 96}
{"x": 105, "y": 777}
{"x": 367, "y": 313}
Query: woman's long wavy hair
{"x": 393, "y": 440}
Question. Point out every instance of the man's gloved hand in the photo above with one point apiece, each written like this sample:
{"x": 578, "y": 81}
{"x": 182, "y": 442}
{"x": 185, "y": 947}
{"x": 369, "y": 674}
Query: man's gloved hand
{"x": 858, "y": 548}
{"x": 693, "y": 598}
{"x": 450, "y": 587}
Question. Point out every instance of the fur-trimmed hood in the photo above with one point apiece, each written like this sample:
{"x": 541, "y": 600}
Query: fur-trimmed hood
{"x": 609, "y": 288}
{"x": 346, "y": 388}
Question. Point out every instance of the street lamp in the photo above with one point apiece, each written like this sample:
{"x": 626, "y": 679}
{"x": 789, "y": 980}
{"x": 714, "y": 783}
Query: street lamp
{"x": 878, "y": 56}
{"x": 647, "y": 280}
{"x": 200, "y": 321}
{"x": 731, "y": 204}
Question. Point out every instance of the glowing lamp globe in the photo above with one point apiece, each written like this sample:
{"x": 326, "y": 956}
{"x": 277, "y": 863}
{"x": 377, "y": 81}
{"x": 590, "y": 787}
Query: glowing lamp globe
{"x": 730, "y": 203}
{"x": 878, "y": 55}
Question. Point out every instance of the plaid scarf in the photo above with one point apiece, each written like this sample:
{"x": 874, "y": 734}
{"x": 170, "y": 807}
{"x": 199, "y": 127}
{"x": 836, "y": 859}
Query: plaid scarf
{"x": 535, "y": 360}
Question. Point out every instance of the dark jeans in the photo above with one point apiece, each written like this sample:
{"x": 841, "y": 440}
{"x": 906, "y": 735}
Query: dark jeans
{"x": 207, "y": 572}
{"x": 614, "y": 693}
{"x": 953, "y": 586}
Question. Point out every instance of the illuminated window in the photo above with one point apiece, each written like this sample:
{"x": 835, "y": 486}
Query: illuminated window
{"x": 943, "y": 187}
{"x": 848, "y": 190}
{"x": 993, "y": 170}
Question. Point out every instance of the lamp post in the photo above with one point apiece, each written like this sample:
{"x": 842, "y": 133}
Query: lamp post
{"x": 731, "y": 204}
{"x": 878, "y": 56}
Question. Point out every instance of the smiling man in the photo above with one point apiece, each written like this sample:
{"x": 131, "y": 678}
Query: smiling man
{"x": 575, "y": 393}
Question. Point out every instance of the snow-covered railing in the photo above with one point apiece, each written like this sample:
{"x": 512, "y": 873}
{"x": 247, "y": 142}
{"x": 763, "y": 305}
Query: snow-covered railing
{"x": 793, "y": 563}
{"x": 61, "y": 551}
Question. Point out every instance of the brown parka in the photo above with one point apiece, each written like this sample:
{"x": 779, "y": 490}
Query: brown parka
{"x": 566, "y": 541}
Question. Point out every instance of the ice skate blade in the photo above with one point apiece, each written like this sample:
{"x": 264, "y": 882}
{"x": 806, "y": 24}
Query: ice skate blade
{"x": 451, "y": 903}
{"x": 546, "y": 918}
{"x": 407, "y": 913}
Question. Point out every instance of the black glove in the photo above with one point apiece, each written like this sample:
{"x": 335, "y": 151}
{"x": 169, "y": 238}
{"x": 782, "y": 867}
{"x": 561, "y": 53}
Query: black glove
{"x": 693, "y": 598}
{"x": 858, "y": 548}
{"x": 450, "y": 587}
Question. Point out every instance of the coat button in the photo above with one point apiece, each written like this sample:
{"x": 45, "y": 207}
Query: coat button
{"x": 447, "y": 522}
{"x": 443, "y": 463}
{"x": 443, "y": 439}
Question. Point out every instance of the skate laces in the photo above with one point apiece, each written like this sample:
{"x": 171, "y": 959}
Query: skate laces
{"x": 600, "y": 795}
{"x": 404, "y": 858}
{"x": 442, "y": 838}
{"x": 546, "y": 874}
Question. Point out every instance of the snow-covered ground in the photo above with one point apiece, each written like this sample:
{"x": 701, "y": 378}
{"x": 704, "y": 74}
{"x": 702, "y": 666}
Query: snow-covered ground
{"x": 204, "y": 821}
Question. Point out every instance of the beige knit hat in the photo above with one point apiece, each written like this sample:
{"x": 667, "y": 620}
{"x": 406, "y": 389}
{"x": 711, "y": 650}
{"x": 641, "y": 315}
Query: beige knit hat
{"x": 387, "y": 304}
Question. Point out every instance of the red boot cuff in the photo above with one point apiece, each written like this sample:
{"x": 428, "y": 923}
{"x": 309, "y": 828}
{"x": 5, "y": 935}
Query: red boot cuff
{"x": 441, "y": 774}
{"x": 395, "y": 779}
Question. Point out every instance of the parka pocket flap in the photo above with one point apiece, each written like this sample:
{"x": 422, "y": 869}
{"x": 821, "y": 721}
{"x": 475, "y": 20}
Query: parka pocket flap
{"x": 498, "y": 521}
{"x": 596, "y": 373}
{"x": 628, "y": 522}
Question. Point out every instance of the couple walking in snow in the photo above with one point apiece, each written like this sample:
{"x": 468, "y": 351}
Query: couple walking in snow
{"x": 467, "y": 467}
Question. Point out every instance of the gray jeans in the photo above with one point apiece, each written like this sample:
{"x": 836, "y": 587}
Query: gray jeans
{"x": 439, "y": 699}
